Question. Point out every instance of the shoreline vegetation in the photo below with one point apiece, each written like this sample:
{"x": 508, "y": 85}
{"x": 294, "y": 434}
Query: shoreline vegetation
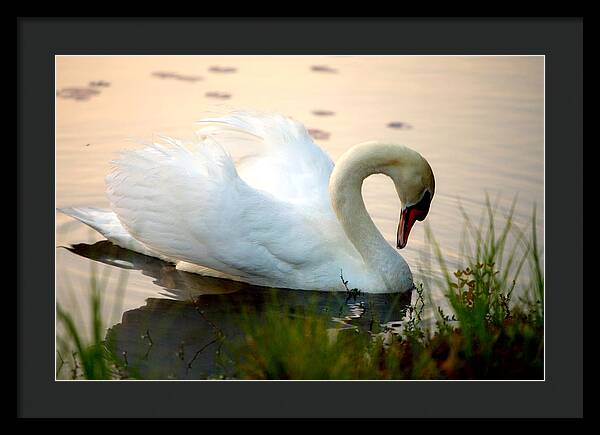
{"x": 488, "y": 332}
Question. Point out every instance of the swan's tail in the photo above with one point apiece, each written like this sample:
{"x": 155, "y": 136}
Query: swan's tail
{"x": 107, "y": 223}
{"x": 102, "y": 220}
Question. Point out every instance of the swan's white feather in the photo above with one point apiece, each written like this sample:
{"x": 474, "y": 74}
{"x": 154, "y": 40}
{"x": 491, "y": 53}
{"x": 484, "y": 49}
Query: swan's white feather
{"x": 276, "y": 154}
{"x": 188, "y": 202}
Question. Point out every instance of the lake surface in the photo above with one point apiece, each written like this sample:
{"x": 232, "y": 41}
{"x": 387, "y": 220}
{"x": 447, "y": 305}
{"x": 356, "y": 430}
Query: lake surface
{"x": 479, "y": 121}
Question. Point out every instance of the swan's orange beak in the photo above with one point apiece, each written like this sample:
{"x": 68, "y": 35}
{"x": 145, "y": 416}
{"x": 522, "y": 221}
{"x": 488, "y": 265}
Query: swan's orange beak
{"x": 409, "y": 216}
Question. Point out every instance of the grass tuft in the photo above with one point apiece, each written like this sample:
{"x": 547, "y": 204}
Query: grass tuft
{"x": 92, "y": 357}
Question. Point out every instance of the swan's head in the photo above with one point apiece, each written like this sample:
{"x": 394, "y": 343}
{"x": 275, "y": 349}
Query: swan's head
{"x": 410, "y": 172}
{"x": 415, "y": 185}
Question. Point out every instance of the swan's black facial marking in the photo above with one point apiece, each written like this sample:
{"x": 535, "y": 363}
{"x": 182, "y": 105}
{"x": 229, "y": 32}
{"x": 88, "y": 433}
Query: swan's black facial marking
{"x": 409, "y": 216}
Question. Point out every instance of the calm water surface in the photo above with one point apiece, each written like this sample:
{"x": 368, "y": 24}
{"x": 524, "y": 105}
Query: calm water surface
{"x": 477, "y": 120}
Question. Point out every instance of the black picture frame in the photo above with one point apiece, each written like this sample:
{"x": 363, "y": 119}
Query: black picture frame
{"x": 560, "y": 40}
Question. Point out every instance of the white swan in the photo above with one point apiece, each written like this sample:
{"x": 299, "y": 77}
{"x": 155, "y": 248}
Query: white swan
{"x": 281, "y": 215}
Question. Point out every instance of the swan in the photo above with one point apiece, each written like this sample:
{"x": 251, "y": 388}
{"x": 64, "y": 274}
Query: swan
{"x": 279, "y": 214}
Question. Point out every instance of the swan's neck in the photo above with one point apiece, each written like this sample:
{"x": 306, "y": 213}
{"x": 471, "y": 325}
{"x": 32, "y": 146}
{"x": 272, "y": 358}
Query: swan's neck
{"x": 345, "y": 189}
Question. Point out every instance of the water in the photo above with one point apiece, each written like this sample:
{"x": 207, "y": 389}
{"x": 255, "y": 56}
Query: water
{"x": 477, "y": 120}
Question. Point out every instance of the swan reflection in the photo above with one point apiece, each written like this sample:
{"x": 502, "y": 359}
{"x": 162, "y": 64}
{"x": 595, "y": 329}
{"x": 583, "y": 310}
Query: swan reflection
{"x": 181, "y": 335}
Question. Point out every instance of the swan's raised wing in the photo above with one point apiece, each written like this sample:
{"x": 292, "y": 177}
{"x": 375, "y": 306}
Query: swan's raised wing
{"x": 275, "y": 154}
{"x": 187, "y": 202}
